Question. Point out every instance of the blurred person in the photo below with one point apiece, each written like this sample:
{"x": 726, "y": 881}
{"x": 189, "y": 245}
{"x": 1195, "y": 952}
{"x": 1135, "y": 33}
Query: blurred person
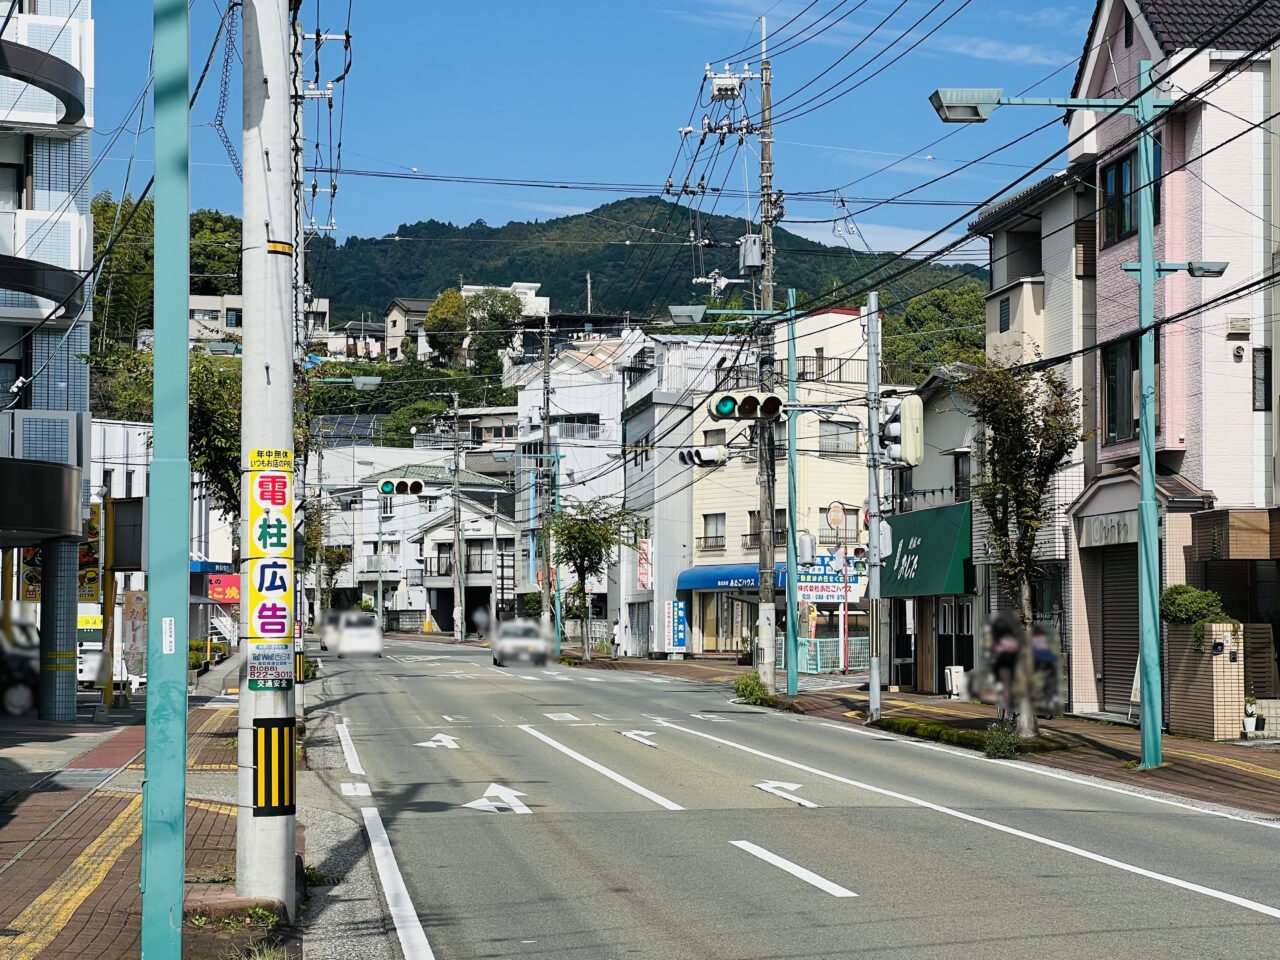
{"x": 1046, "y": 688}
{"x": 1005, "y": 644}
{"x": 617, "y": 638}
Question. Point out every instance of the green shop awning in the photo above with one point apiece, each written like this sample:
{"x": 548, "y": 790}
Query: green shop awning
{"x": 932, "y": 553}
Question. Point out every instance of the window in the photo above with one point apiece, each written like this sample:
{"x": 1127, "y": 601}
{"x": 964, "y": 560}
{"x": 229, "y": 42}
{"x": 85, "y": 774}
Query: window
{"x": 1119, "y": 198}
{"x": 1120, "y": 408}
{"x": 385, "y": 504}
{"x": 837, "y": 438}
{"x": 128, "y": 484}
{"x": 1004, "y": 315}
{"x": 963, "y": 466}
{"x": 234, "y": 318}
{"x": 713, "y": 525}
{"x": 714, "y": 438}
{"x": 394, "y": 353}
{"x": 1128, "y": 29}
{"x": 205, "y": 316}
{"x": 107, "y": 477}
{"x": 511, "y": 430}
{"x": 1262, "y": 378}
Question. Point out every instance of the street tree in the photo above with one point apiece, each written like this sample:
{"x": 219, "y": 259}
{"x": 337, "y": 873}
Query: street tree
{"x": 583, "y": 537}
{"x": 493, "y": 316}
{"x": 1031, "y": 422}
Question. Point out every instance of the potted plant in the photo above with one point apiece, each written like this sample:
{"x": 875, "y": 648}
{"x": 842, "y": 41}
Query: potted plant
{"x": 1250, "y": 714}
{"x": 746, "y": 655}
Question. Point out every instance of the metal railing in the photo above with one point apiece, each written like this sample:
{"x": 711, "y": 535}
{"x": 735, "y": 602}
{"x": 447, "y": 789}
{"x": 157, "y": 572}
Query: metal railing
{"x": 831, "y": 538}
{"x": 711, "y": 543}
{"x": 437, "y": 566}
{"x": 386, "y": 564}
{"x": 751, "y": 541}
{"x": 845, "y": 445}
{"x": 581, "y": 431}
{"x": 831, "y": 369}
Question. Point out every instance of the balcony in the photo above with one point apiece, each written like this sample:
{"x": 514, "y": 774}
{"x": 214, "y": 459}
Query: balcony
{"x": 711, "y": 543}
{"x": 582, "y": 431}
{"x": 48, "y": 53}
{"x": 751, "y": 541}
{"x": 834, "y": 538}
{"x": 842, "y": 445}
{"x": 383, "y": 565}
{"x": 831, "y": 369}
{"x": 437, "y": 566}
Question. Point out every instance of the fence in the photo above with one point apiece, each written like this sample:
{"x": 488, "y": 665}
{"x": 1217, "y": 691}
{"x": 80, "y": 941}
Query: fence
{"x": 823, "y": 655}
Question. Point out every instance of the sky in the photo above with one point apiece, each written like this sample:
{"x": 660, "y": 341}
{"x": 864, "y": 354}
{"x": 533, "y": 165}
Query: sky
{"x": 591, "y": 91}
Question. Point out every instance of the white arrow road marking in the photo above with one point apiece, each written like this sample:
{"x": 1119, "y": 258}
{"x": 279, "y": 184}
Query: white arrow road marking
{"x": 349, "y": 749}
{"x": 560, "y": 717}
{"x": 639, "y": 736}
{"x": 497, "y": 797}
{"x": 355, "y": 790}
{"x": 993, "y": 825}
{"x": 710, "y": 716}
{"x": 779, "y": 789}
{"x": 440, "y": 740}
{"x": 457, "y": 718}
{"x": 413, "y": 942}
{"x": 600, "y": 768}
{"x": 808, "y": 876}
{"x": 594, "y": 679}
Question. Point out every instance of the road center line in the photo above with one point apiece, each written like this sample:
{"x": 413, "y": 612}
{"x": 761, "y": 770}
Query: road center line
{"x": 349, "y": 751}
{"x": 808, "y": 876}
{"x": 992, "y": 825}
{"x": 408, "y": 927}
{"x": 600, "y": 768}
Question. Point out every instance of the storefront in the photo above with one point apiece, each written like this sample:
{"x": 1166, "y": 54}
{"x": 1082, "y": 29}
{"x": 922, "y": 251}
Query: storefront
{"x": 722, "y": 604}
{"x": 928, "y": 579}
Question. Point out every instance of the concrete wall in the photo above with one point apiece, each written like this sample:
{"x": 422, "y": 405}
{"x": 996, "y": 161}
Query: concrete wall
{"x": 1206, "y": 690}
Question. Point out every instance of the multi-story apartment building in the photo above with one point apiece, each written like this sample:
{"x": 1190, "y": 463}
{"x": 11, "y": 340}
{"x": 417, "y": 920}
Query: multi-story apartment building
{"x": 46, "y": 246}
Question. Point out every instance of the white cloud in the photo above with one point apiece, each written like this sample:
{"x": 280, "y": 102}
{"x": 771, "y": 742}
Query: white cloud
{"x": 987, "y": 48}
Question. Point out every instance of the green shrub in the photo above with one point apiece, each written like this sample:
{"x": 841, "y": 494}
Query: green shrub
{"x": 1001, "y": 741}
{"x": 1183, "y": 603}
{"x": 220, "y": 649}
{"x": 749, "y": 688}
{"x": 195, "y": 660}
{"x": 309, "y": 669}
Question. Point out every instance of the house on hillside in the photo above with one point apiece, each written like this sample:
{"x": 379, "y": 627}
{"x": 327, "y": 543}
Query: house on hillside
{"x": 403, "y": 321}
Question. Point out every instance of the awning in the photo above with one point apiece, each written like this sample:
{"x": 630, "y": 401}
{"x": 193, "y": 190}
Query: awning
{"x": 211, "y": 566}
{"x": 723, "y": 576}
{"x": 821, "y": 583}
{"x": 932, "y": 553}
{"x": 202, "y": 601}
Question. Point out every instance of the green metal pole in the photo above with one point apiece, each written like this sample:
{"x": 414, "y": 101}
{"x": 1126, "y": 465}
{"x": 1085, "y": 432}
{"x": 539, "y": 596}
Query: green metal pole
{"x": 793, "y": 589}
{"x": 559, "y": 625}
{"x": 164, "y": 785}
{"x": 1148, "y": 526}
{"x": 379, "y": 559}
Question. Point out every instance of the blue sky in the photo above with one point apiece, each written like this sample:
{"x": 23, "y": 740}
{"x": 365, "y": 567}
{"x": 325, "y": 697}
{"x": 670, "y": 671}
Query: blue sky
{"x": 586, "y": 90}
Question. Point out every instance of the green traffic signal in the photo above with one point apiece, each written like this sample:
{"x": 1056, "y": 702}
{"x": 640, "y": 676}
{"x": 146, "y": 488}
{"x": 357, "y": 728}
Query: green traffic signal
{"x": 387, "y": 486}
{"x": 726, "y": 406}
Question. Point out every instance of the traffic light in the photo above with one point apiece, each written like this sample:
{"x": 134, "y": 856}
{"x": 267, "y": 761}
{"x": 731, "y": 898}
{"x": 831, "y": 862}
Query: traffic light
{"x": 388, "y": 487}
{"x": 703, "y": 456}
{"x": 858, "y": 556}
{"x": 745, "y": 405}
{"x": 902, "y": 430}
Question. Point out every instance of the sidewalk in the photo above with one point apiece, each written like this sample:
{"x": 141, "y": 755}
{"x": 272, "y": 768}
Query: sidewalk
{"x": 70, "y": 848}
{"x": 1225, "y": 773}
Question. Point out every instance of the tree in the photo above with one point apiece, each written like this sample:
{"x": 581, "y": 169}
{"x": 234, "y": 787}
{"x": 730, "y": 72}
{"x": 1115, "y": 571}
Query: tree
{"x": 395, "y": 429}
{"x": 943, "y": 326}
{"x": 216, "y": 240}
{"x": 493, "y": 317}
{"x": 1032, "y": 424}
{"x": 123, "y": 296}
{"x": 333, "y": 559}
{"x": 446, "y": 326}
{"x": 583, "y": 536}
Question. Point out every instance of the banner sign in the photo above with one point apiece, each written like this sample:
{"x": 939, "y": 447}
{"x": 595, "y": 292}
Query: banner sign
{"x": 134, "y": 635}
{"x": 268, "y": 571}
{"x": 643, "y": 569}
{"x": 89, "y": 575}
{"x": 224, "y": 587}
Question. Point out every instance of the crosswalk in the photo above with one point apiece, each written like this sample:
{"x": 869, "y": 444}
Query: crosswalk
{"x": 543, "y": 676}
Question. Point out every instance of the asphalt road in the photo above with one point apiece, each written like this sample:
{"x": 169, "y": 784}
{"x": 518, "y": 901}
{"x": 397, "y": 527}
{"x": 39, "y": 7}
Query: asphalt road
{"x": 537, "y": 827}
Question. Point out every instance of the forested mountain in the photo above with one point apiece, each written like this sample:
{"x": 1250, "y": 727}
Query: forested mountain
{"x": 637, "y": 252}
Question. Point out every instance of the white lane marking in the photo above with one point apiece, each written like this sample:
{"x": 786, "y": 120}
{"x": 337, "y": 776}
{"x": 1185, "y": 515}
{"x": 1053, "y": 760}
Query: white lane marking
{"x": 808, "y": 876}
{"x": 349, "y": 750}
{"x": 639, "y": 736}
{"x": 594, "y": 679}
{"x": 607, "y": 719}
{"x": 657, "y": 680}
{"x": 600, "y": 768}
{"x": 560, "y": 717}
{"x": 998, "y": 827}
{"x": 455, "y": 718}
{"x": 496, "y": 797}
{"x": 1043, "y": 771}
{"x": 413, "y": 942}
{"x": 440, "y": 740}
{"x": 780, "y": 789}
{"x": 710, "y": 716}
{"x": 355, "y": 790}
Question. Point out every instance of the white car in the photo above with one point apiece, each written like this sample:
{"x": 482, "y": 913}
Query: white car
{"x": 520, "y": 640}
{"x": 359, "y": 634}
{"x": 329, "y": 629}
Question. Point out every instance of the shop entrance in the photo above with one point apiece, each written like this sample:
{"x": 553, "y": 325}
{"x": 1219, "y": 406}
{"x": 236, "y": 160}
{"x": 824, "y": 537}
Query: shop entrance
{"x": 955, "y": 637}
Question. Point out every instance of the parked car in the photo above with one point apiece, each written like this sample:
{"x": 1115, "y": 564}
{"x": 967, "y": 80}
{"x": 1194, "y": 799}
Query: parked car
{"x": 520, "y": 640}
{"x": 329, "y": 625}
{"x": 359, "y": 633}
{"x": 19, "y": 668}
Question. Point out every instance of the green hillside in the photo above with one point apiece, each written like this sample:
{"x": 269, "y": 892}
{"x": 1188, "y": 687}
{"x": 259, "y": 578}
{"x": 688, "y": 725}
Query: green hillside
{"x": 642, "y": 277}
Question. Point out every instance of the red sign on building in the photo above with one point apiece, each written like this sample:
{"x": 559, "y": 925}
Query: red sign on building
{"x": 224, "y": 587}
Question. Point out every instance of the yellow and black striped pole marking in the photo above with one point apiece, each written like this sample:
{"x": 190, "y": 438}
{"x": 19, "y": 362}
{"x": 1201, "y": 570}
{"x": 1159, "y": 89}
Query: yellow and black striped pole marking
{"x": 274, "y": 767}
{"x": 299, "y": 658}
{"x": 282, "y": 247}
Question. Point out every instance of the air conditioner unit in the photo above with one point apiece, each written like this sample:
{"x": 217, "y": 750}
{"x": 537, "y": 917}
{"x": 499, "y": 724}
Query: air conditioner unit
{"x": 1239, "y": 327}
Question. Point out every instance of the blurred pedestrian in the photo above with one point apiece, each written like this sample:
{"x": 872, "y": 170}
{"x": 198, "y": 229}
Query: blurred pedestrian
{"x": 617, "y": 639}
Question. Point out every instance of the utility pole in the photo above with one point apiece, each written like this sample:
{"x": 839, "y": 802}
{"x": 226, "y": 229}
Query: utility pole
{"x": 544, "y": 488}
{"x": 766, "y": 175}
{"x": 165, "y": 779}
{"x": 459, "y": 575}
{"x": 379, "y": 559}
{"x": 793, "y": 578}
{"x": 871, "y": 317}
{"x": 494, "y": 574}
{"x": 265, "y": 826}
{"x": 588, "y": 293}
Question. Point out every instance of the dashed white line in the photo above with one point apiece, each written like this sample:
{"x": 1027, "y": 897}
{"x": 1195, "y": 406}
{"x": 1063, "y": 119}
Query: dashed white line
{"x": 413, "y": 941}
{"x": 355, "y": 790}
{"x": 349, "y": 749}
{"x": 808, "y": 876}
{"x": 600, "y": 768}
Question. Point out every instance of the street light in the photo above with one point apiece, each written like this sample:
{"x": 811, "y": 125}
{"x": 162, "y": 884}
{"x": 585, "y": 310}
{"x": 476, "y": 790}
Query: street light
{"x": 976, "y": 106}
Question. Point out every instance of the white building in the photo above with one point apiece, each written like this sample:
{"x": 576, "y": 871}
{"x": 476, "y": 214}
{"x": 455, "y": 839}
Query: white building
{"x": 531, "y": 304}
{"x": 212, "y": 319}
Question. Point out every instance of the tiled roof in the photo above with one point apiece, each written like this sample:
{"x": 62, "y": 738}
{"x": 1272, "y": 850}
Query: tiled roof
{"x": 1185, "y": 24}
{"x": 411, "y": 304}
{"x": 1041, "y": 190}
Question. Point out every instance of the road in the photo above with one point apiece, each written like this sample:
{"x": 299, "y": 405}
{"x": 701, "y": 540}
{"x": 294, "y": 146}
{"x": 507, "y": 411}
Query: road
{"x": 597, "y": 815}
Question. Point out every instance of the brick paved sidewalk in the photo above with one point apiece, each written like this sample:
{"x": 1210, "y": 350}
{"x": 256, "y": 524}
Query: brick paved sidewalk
{"x": 70, "y": 855}
{"x": 1226, "y": 773}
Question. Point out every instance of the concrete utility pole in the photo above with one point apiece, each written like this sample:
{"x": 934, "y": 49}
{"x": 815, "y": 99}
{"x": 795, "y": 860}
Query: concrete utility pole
{"x": 494, "y": 573}
{"x": 871, "y": 316}
{"x": 165, "y": 783}
{"x": 544, "y": 472}
{"x": 265, "y": 843}
{"x": 766, "y": 174}
{"x": 588, "y": 293}
{"x": 378, "y": 557}
{"x": 459, "y": 573}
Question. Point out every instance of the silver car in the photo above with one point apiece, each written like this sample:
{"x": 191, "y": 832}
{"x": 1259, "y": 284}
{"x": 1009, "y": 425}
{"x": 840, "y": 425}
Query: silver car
{"x": 520, "y": 640}
{"x": 359, "y": 635}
